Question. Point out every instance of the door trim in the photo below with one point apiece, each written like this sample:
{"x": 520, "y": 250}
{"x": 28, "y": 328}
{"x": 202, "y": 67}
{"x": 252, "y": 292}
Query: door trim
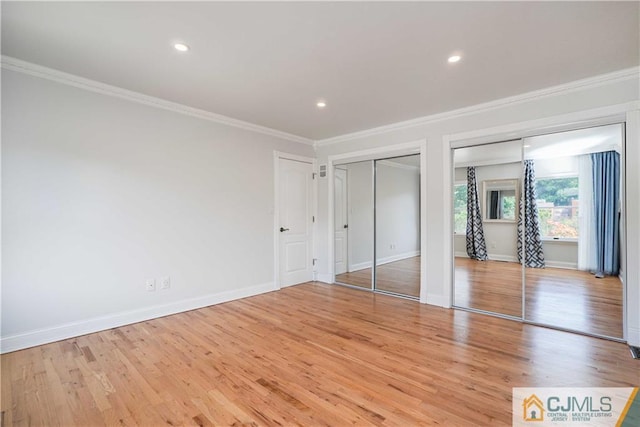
{"x": 277, "y": 155}
{"x": 347, "y": 217}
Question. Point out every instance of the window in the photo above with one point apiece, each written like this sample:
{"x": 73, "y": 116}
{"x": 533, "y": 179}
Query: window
{"x": 558, "y": 207}
{"x": 460, "y": 208}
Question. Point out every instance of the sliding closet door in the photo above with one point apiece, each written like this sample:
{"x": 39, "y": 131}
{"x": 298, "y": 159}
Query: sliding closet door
{"x": 353, "y": 224}
{"x": 397, "y": 221}
{"x": 487, "y": 181}
{"x": 572, "y": 217}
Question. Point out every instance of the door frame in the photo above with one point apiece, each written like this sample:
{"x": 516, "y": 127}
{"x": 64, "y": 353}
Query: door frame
{"x": 347, "y": 217}
{"x": 414, "y": 147}
{"x": 277, "y": 156}
{"x": 628, "y": 113}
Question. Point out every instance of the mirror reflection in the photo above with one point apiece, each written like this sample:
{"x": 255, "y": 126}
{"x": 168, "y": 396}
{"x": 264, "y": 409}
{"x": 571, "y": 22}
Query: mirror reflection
{"x": 562, "y": 242}
{"x": 397, "y": 203}
{"x": 500, "y": 199}
{"x": 353, "y": 222}
{"x": 487, "y": 274}
{"x": 575, "y": 259}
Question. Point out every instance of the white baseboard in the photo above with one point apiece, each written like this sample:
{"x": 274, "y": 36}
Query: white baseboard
{"x": 633, "y": 336}
{"x": 324, "y": 278}
{"x": 492, "y": 257}
{"x": 505, "y": 258}
{"x": 359, "y": 266}
{"x": 96, "y": 324}
{"x": 560, "y": 264}
{"x": 439, "y": 300}
{"x": 511, "y": 258}
{"x": 398, "y": 257}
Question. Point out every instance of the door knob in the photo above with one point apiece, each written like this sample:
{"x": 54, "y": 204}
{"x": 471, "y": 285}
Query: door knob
{"x": 346, "y": 226}
{"x": 283, "y": 229}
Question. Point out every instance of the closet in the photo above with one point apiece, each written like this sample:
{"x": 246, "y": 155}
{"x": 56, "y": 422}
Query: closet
{"x": 538, "y": 229}
{"x": 377, "y": 225}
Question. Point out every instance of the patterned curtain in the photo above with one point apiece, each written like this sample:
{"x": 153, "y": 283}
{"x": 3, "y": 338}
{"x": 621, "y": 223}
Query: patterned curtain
{"x": 528, "y": 221}
{"x": 606, "y": 197}
{"x": 476, "y": 246}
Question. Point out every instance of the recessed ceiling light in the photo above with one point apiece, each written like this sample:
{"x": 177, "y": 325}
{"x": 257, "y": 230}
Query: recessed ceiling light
{"x": 454, "y": 58}
{"x": 181, "y": 47}
{"x": 321, "y": 104}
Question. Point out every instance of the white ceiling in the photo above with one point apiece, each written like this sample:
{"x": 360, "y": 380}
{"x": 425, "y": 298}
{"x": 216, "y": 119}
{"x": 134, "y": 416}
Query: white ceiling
{"x": 375, "y": 63}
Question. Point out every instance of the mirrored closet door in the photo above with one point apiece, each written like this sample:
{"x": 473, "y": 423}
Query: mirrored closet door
{"x": 488, "y": 276}
{"x": 353, "y": 224}
{"x": 544, "y": 214}
{"x": 573, "y": 217}
{"x": 377, "y": 217}
{"x": 397, "y": 217}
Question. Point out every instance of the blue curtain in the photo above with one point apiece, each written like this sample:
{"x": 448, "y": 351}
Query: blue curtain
{"x": 606, "y": 198}
{"x": 528, "y": 221}
{"x": 476, "y": 246}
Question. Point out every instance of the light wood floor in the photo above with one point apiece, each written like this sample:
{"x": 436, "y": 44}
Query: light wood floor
{"x": 400, "y": 277}
{"x": 310, "y": 355}
{"x": 559, "y": 297}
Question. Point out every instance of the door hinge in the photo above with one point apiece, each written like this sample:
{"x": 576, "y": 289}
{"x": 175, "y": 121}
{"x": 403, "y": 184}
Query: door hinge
{"x": 313, "y": 175}
{"x": 313, "y": 219}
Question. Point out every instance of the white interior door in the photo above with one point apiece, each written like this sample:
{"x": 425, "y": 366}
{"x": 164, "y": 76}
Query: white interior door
{"x": 295, "y": 212}
{"x": 340, "y": 221}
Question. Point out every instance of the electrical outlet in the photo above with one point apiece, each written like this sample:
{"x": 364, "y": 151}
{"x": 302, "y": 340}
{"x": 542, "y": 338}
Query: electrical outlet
{"x": 150, "y": 285}
{"x": 165, "y": 282}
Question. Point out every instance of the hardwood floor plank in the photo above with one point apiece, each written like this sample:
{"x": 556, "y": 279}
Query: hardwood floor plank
{"x": 563, "y": 298}
{"x": 400, "y": 277}
{"x": 312, "y": 355}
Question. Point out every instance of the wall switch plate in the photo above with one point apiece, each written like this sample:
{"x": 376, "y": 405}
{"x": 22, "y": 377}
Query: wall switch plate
{"x": 165, "y": 282}
{"x": 150, "y": 285}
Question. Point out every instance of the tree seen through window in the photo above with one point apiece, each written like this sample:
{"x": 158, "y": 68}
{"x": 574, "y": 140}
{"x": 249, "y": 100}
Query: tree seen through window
{"x": 557, "y": 200}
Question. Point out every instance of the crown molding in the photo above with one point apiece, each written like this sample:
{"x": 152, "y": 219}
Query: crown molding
{"x": 13, "y": 64}
{"x": 587, "y": 83}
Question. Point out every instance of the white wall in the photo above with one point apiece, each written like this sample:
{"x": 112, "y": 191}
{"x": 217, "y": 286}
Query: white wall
{"x": 100, "y": 193}
{"x": 397, "y": 212}
{"x": 557, "y": 105}
{"x": 360, "y": 205}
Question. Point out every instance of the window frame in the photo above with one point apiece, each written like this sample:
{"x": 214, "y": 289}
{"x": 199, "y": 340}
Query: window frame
{"x": 558, "y": 239}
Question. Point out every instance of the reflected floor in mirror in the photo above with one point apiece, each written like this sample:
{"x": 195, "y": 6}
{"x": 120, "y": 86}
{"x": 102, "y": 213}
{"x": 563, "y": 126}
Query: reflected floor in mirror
{"x": 489, "y": 286}
{"x": 400, "y": 277}
{"x": 564, "y": 298}
{"x": 575, "y": 300}
{"x": 360, "y": 278}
